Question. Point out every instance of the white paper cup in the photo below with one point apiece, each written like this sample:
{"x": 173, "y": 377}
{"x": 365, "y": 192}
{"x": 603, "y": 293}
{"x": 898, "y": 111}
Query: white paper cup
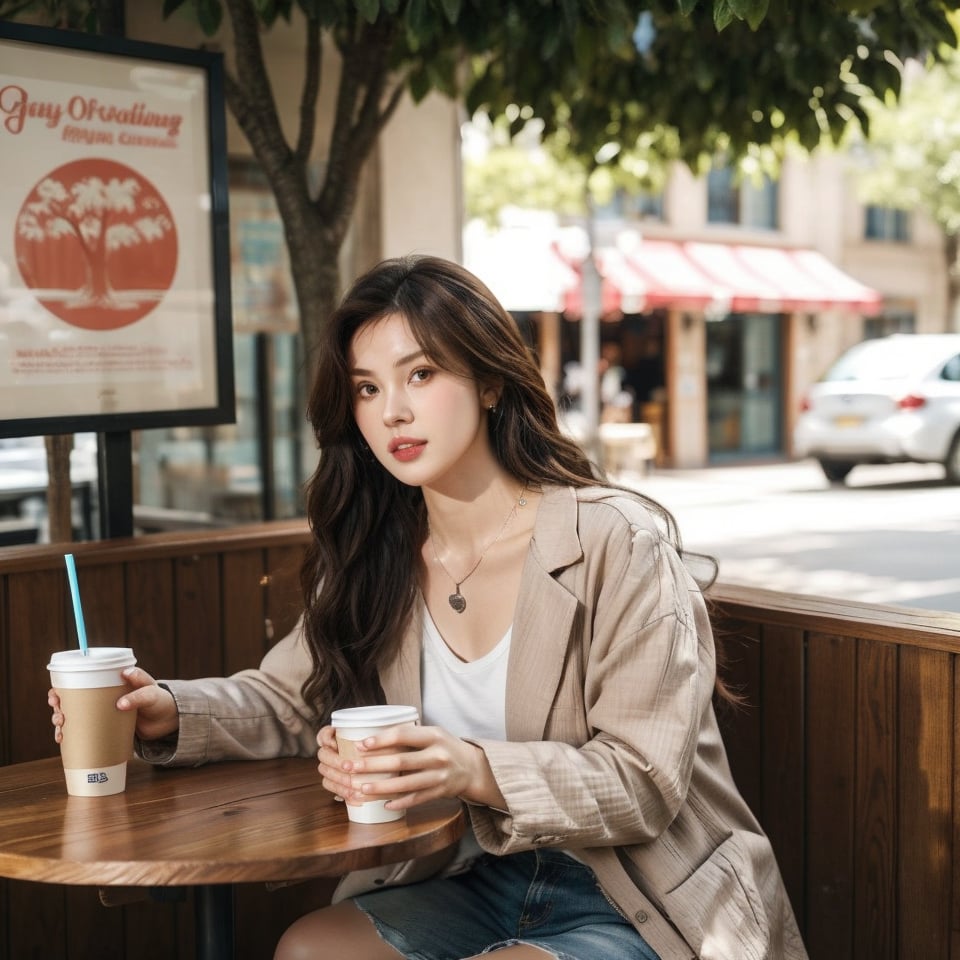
{"x": 358, "y": 723}
{"x": 97, "y": 738}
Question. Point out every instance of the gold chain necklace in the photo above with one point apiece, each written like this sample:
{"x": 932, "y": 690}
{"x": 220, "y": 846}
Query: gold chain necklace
{"x": 457, "y": 599}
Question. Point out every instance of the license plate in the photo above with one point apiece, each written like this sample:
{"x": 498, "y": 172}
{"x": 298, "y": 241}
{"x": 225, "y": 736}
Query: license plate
{"x": 847, "y": 421}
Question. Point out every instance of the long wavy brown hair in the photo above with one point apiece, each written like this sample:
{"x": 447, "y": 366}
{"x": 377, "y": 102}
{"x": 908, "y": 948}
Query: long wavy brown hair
{"x": 361, "y": 572}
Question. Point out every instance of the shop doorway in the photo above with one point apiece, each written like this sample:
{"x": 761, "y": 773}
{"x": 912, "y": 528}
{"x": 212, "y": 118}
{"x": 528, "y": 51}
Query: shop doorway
{"x": 745, "y": 386}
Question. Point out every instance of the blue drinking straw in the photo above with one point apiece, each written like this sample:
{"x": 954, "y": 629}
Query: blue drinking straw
{"x": 75, "y": 596}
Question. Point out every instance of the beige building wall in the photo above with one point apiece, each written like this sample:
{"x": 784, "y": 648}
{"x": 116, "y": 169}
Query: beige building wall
{"x": 420, "y": 182}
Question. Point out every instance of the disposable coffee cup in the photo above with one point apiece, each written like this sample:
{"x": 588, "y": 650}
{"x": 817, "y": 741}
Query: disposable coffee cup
{"x": 353, "y": 724}
{"x": 97, "y": 738}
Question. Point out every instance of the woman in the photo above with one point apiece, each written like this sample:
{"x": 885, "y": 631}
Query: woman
{"x": 466, "y": 560}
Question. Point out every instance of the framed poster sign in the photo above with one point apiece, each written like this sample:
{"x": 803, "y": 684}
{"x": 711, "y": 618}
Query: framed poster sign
{"x": 114, "y": 243}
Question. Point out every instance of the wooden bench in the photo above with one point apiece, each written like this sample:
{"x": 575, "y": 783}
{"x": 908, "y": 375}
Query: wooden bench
{"x": 845, "y": 748}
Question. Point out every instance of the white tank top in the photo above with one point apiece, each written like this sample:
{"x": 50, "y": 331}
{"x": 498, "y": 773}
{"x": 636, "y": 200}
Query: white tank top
{"x": 467, "y": 699}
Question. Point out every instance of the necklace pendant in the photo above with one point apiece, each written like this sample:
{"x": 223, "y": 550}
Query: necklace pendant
{"x": 457, "y": 601}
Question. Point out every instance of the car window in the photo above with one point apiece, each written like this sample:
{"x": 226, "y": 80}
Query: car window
{"x": 892, "y": 359}
{"x": 951, "y": 369}
{"x": 878, "y": 360}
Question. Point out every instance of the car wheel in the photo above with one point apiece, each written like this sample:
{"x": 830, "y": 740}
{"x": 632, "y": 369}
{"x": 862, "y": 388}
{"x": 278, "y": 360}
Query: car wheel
{"x": 952, "y": 463}
{"x": 835, "y": 470}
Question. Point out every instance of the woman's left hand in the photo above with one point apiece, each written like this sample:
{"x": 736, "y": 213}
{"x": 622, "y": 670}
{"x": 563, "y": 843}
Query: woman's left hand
{"x": 426, "y": 763}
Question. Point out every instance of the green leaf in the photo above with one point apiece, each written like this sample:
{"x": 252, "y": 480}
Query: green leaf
{"x": 688, "y": 6}
{"x": 419, "y": 85}
{"x": 753, "y": 11}
{"x": 368, "y": 9}
{"x": 209, "y": 15}
{"x": 451, "y": 9}
{"x": 723, "y": 14}
{"x": 416, "y": 17}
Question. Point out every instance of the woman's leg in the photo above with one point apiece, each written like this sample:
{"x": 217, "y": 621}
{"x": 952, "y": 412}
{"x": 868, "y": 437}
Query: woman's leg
{"x": 343, "y": 924}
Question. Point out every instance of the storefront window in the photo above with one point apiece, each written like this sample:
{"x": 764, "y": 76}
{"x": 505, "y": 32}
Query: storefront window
{"x": 249, "y": 470}
{"x": 744, "y": 385}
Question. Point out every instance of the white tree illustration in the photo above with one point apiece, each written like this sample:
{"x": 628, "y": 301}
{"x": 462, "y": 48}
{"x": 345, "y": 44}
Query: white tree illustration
{"x": 102, "y": 216}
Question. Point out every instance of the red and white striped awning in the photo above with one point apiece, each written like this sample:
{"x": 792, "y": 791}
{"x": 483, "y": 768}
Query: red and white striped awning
{"x": 722, "y": 278}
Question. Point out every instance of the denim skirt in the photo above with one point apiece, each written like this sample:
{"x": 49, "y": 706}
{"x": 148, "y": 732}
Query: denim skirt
{"x": 543, "y": 898}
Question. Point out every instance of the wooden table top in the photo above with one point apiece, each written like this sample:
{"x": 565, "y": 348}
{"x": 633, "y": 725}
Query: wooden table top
{"x": 248, "y": 821}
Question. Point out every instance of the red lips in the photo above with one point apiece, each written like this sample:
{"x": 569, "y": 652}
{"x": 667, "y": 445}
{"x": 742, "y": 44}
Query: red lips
{"x": 406, "y": 449}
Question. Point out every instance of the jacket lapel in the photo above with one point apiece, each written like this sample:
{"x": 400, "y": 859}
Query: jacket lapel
{"x": 544, "y": 618}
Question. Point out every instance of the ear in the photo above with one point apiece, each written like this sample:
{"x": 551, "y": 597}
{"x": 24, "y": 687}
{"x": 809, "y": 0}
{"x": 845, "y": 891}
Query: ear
{"x": 489, "y": 397}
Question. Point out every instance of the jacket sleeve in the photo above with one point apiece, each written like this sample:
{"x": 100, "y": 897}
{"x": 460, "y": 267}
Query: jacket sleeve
{"x": 647, "y": 679}
{"x": 252, "y": 715}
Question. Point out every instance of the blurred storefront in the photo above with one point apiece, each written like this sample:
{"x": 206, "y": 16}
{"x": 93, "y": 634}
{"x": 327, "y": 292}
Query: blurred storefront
{"x": 705, "y": 340}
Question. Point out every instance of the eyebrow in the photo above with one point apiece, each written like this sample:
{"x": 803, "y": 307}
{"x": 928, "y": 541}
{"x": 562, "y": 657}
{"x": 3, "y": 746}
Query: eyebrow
{"x": 360, "y": 372}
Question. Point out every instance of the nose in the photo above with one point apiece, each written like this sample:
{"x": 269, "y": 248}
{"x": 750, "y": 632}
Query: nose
{"x": 396, "y": 408}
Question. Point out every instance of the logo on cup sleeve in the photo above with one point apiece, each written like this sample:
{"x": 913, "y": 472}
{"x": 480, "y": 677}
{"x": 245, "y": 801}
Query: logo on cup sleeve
{"x": 98, "y": 777}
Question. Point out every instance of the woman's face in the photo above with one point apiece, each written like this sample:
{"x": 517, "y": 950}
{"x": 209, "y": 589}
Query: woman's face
{"x": 423, "y": 423}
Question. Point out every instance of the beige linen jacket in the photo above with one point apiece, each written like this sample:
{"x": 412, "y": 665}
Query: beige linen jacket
{"x": 613, "y": 749}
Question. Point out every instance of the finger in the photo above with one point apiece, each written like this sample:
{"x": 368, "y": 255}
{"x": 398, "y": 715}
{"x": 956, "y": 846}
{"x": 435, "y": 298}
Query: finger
{"x": 420, "y": 784}
{"x": 408, "y": 736}
{"x": 327, "y": 738}
{"x": 137, "y": 678}
{"x": 57, "y": 721}
{"x": 334, "y": 761}
{"x": 138, "y": 700}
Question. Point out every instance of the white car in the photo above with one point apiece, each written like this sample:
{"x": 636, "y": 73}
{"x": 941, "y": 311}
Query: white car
{"x": 891, "y": 400}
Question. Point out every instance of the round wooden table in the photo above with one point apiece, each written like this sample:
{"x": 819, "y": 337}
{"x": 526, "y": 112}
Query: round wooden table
{"x": 207, "y": 827}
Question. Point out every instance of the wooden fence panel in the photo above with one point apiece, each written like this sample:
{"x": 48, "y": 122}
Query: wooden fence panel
{"x": 831, "y": 752}
{"x": 151, "y": 616}
{"x": 197, "y": 601}
{"x": 5, "y": 662}
{"x": 926, "y": 812}
{"x": 284, "y": 597}
{"x": 244, "y": 610}
{"x": 741, "y": 724}
{"x": 102, "y": 590}
{"x": 37, "y": 629}
{"x": 875, "y": 900}
{"x": 783, "y": 806}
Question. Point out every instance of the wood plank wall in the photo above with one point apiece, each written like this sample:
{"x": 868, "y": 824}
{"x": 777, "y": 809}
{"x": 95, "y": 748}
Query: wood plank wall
{"x": 845, "y": 746}
{"x": 847, "y": 752}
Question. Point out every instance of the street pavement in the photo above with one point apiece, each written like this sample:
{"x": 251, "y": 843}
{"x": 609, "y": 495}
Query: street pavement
{"x": 891, "y": 535}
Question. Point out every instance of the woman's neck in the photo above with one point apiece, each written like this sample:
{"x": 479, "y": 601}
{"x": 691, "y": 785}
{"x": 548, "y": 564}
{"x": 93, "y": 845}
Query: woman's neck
{"x": 467, "y": 519}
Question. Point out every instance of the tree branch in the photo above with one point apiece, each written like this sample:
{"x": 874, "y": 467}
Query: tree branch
{"x": 249, "y": 92}
{"x": 361, "y": 114}
{"x": 313, "y": 65}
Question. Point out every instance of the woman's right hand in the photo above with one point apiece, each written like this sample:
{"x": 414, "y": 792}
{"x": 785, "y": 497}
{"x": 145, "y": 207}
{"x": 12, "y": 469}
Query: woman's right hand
{"x": 157, "y": 714}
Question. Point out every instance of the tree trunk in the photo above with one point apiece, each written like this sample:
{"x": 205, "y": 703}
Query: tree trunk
{"x": 59, "y": 489}
{"x": 951, "y": 249}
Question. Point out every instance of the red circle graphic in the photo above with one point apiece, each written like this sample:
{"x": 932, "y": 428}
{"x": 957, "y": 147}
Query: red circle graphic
{"x": 97, "y": 244}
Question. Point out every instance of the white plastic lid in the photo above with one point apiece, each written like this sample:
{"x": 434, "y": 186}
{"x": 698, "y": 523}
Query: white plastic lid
{"x": 96, "y": 658}
{"x": 375, "y": 716}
